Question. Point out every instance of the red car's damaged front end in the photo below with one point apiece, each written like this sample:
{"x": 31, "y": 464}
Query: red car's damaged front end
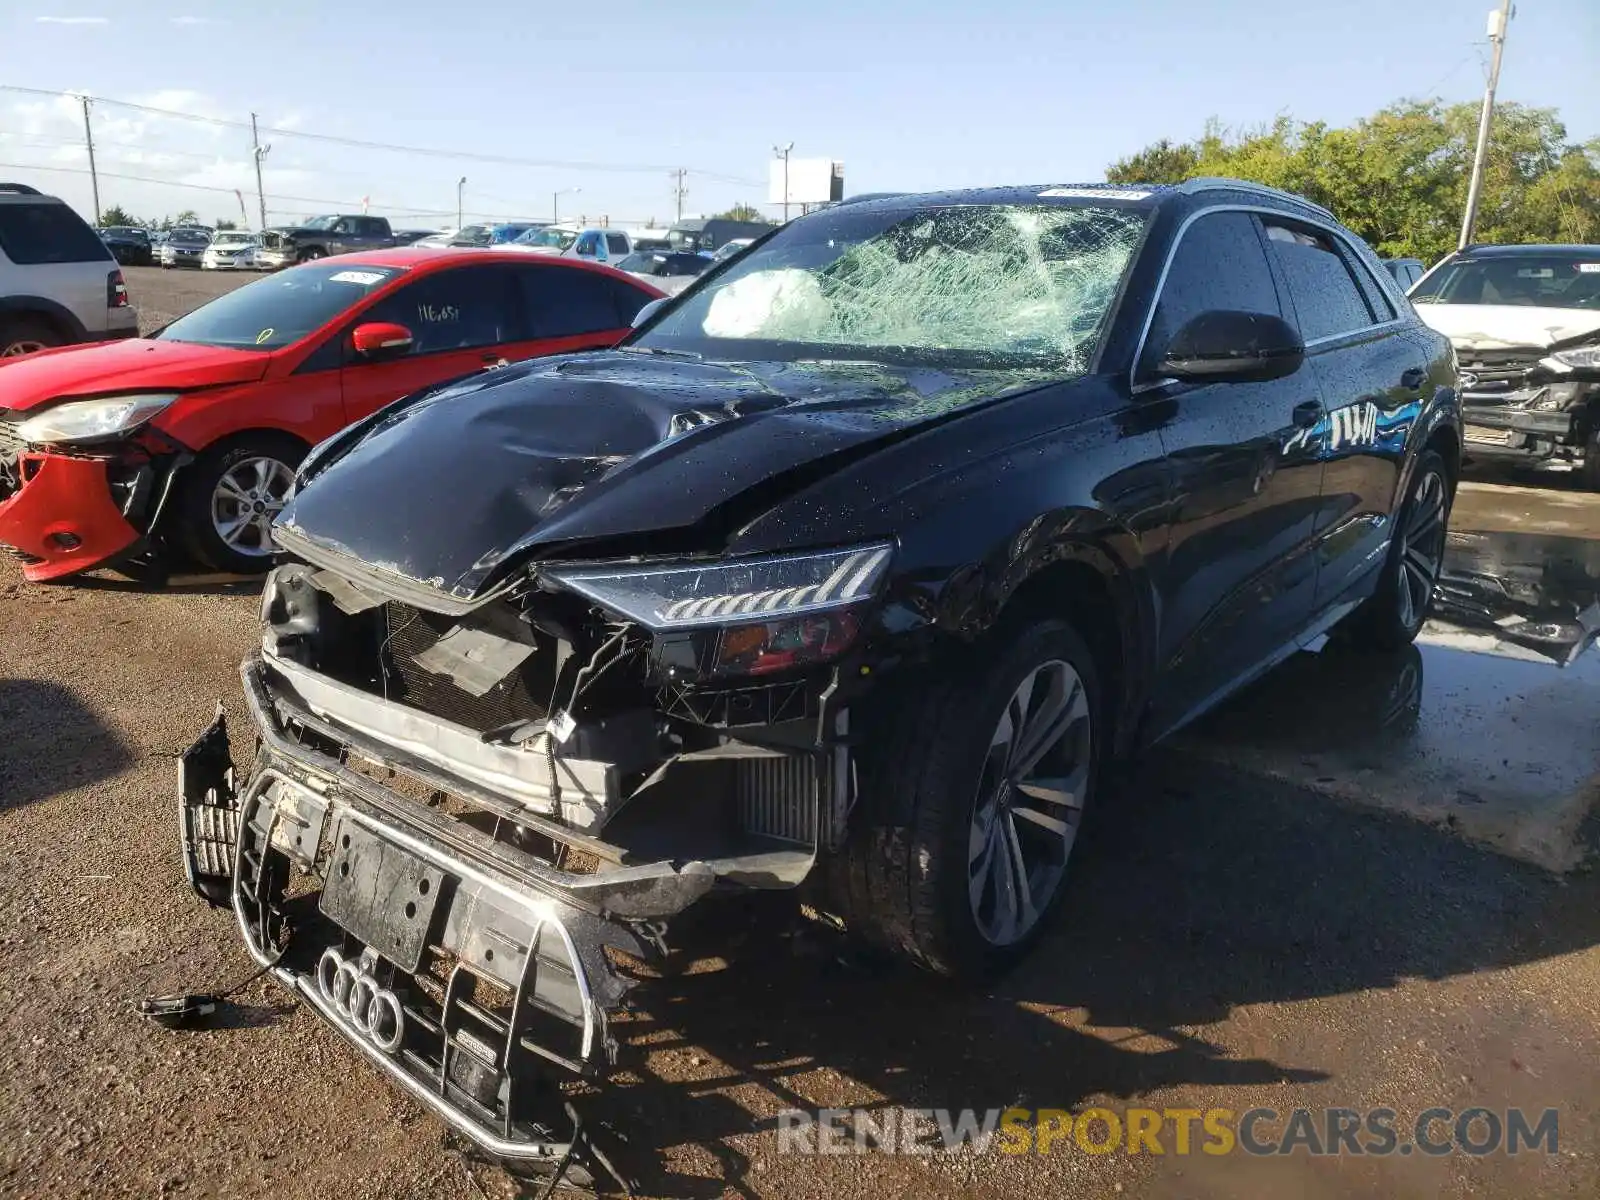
{"x": 85, "y": 467}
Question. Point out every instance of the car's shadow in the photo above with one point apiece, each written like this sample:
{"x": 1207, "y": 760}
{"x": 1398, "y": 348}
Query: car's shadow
{"x": 1198, "y": 890}
{"x": 50, "y": 743}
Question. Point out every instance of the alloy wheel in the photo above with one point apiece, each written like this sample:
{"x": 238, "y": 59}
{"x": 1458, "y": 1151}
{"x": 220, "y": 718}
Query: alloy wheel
{"x": 19, "y": 348}
{"x": 1030, "y": 803}
{"x": 248, "y": 496}
{"x": 1421, "y": 548}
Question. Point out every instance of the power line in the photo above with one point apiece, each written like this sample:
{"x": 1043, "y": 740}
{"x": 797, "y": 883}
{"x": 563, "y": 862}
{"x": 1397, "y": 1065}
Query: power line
{"x": 393, "y": 147}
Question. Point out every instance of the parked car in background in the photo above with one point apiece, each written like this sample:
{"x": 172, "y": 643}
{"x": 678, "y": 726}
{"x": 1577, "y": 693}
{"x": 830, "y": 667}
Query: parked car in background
{"x": 652, "y": 239}
{"x": 1525, "y": 322}
{"x": 1406, "y": 271}
{"x": 713, "y": 233}
{"x": 129, "y": 245}
{"x": 729, "y": 249}
{"x": 194, "y": 434}
{"x": 494, "y": 234}
{"x": 853, "y": 569}
{"x": 59, "y": 283}
{"x": 432, "y": 241}
{"x": 339, "y": 233}
{"x": 669, "y": 272}
{"x": 409, "y": 237}
{"x": 183, "y": 248}
{"x": 231, "y": 250}
{"x": 594, "y": 244}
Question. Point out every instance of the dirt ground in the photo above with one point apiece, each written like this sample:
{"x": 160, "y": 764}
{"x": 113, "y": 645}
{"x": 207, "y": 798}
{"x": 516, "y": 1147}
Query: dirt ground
{"x": 1232, "y": 939}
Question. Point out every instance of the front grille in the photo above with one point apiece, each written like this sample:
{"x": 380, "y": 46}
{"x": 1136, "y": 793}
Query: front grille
{"x": 11, "y": 446}
{"x": 1494, "y": 372}
{"x": 523, "y": 695}
{"x": 778, "y": 797}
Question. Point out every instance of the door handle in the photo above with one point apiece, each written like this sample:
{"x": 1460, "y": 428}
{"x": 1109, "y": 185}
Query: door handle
{"x": 1413, "y": 378}
{"x": 1307, "y": 413}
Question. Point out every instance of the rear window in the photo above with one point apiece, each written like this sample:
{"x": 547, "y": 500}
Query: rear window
{"x": 32, "y": 234}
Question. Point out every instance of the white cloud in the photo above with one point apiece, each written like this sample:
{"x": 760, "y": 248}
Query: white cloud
{"x": 72, "y": 20}
{"x": 194, "y": 21}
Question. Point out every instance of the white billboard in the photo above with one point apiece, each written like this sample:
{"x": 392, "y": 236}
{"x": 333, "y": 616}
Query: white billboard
{"x": 810, "y": 180}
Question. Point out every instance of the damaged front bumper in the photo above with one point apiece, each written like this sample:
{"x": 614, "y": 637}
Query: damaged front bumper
{"x": 462, "y": 966}
{"x": 1542, "y": 421}
{"x": 63, "y": 513}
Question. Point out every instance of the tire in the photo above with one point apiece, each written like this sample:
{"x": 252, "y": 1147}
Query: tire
{"x": 208, "y": 506}
{"x": 1591, "y": 457}
{"x": 1393, "y": 615}
{"x": 26, "y": 335}
{"x": 937, "y": 806}
{"x": 311, "y": 254}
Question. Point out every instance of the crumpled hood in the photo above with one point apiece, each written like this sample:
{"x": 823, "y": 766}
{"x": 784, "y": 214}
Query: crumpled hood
{"x": 1505, "y": 326}
{"x": 448, "y": 487}
{"x": 123, "y": 366}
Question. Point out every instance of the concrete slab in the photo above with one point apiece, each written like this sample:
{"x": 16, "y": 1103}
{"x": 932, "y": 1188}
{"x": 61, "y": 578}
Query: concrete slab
{"x": 1490, "y": 725}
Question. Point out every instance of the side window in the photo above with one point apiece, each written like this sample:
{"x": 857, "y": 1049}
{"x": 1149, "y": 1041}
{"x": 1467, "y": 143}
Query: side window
{"x": 616, "y": 245}
{"x": 1378, "y": 302}
{"x": 372, "y": 227}
{"x": 1219, "y": 264}
{"x": 1327, "y": 299}
{"x": 565, "y": 302}
{"x": 453, "y": 310}
{"x": 342, "y": 225}
{"x": 628, "y": 300}
{"x": 34, "y": 233}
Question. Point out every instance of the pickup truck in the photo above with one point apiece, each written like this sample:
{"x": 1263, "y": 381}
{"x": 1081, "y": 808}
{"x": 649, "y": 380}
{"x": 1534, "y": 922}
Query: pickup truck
{"x": 321, "y": 236}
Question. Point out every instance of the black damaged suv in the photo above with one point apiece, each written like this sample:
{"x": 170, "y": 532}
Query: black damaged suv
{"x": 849, "y": 572}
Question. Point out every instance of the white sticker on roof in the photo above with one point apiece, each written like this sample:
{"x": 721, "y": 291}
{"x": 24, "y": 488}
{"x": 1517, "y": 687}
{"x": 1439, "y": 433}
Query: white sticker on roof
{"x": 1095, "y": 193}
{"x": 364, "y": 278}
{"x": 1589, "y": 268}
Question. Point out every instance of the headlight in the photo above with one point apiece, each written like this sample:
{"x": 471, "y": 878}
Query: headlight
{"x": 773, "y": 613}
{"x": 93, "y": 420}
{"x": 1562, "y": 361}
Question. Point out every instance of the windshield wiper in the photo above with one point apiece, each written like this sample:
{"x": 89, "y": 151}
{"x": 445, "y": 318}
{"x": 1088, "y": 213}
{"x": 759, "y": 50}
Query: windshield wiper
{"x": 691, "y": 355}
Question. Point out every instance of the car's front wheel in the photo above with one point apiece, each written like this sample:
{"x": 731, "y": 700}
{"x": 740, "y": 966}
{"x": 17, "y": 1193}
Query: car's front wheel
{"x": 311, "y": 254}
{"x": 1393, "y": 615}
{"x": 231, "y": 495}
{"x": 973, "y": 790}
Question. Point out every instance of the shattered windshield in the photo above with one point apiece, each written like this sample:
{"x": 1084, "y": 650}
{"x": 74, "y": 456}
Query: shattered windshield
{"x": 973, "y": 284}
{"x": 1563, "y": 280}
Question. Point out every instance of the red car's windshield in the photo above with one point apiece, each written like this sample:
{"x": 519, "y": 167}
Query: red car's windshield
{"x": 281, "y": 309}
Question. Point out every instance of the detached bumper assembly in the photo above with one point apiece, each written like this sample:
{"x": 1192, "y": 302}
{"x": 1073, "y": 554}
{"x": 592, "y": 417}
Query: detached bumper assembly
{"x": 476, "y": 984}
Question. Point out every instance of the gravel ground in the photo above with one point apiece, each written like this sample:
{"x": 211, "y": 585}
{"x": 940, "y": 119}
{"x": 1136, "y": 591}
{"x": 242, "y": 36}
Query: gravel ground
{"x": 1230, "y": 942}
{"x": 161, "y": 296}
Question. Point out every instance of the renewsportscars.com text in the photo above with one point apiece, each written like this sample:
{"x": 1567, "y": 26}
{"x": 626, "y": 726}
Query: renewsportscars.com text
{"x": 1177, "y": 1131}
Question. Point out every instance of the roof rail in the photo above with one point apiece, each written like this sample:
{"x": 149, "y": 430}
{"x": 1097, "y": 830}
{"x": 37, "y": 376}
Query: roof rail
{"x": 20, "y": 189}
{"x": 1209, "y": 183}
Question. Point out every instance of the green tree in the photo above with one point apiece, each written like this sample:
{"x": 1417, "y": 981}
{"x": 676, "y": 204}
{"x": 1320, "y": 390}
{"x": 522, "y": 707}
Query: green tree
{"x": 1399, "y": 177}
{"x": 116, "y": 215}
{"x": 223, "y": 223}
{"x": 186, "y": 217}
{"x": 740, "y": 212}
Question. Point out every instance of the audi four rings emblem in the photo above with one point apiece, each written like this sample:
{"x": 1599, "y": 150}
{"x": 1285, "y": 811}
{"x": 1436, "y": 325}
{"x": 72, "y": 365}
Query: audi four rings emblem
{"x": 373, "y": 1010}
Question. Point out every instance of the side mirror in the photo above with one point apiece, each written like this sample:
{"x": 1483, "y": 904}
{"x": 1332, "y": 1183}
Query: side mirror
{"x": 648, "y": 311}
{"x": 1223, "y": 346}
{"x": 378, "y": 340}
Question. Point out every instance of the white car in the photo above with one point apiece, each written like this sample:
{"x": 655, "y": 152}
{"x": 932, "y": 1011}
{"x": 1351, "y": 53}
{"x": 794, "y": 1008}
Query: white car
{"x": 231, "y": 251}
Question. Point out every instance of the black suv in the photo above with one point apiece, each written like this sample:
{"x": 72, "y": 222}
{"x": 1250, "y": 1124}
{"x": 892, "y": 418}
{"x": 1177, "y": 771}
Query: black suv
{"x": 850, "y": 571}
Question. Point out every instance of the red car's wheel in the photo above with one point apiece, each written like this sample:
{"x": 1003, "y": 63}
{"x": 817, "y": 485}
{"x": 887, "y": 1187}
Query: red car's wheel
{"x": 231, "y": 496}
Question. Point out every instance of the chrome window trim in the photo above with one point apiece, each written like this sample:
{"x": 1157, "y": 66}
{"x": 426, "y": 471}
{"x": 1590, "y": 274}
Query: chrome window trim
{"x": 1135, "y": 387}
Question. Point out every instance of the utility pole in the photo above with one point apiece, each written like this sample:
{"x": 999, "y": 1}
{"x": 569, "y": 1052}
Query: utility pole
{"x": 555, "y": 202}
{"x": 783, "y": 153}
{"x": 460, "y": 185}
{"x": 1498, "y": 20}
{"x": 679, "y": 190}
{"x": 94, "y": 178}
{"x": 259, "y": 152}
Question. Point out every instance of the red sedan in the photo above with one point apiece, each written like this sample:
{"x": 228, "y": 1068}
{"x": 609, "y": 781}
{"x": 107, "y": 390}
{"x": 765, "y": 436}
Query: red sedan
{"x": 196, "y": 431}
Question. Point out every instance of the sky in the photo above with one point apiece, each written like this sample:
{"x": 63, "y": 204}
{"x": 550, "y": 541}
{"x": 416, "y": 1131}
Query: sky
{"x": 600, "y": 102}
